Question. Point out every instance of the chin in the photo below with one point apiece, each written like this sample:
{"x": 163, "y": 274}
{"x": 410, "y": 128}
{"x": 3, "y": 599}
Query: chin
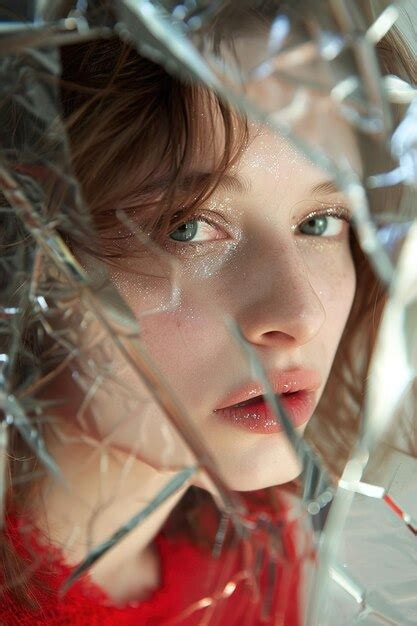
{"x": 248, "y": 462}
{"x": 252, "y": 482}
{"x": 252, "y": 473}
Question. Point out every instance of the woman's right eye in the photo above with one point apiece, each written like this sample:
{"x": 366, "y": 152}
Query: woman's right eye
{"x": 197, "y": 230}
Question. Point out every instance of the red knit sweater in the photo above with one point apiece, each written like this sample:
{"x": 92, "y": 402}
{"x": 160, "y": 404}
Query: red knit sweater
{"x": 194, "y": 586}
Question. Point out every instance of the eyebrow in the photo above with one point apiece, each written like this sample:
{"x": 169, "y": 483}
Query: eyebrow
{"x": 240, "y": 184}
{"x": 227, "y": 182}
{"x": 327, "y": 187}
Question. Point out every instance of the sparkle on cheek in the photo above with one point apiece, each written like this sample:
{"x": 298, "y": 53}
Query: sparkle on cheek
{"x": 195, "y": 265}
{"x": 146, "y": 294}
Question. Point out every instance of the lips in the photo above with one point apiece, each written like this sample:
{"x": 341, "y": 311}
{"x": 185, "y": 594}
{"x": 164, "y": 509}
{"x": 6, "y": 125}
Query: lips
{"x": 246, "y": 407}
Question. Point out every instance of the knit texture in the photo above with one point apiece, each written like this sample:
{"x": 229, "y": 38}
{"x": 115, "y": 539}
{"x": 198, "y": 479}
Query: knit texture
{"x": 194, "y": 585}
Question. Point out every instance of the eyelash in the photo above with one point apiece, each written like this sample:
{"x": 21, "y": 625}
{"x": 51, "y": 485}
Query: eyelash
{"x": 196, "y": 244}
{"x": 338, "y": 212}
{"x": 341, "y": 212}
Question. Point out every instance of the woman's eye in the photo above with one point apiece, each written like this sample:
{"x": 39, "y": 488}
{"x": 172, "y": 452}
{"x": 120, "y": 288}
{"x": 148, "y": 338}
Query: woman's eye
{"x": 197, "y": 230}
{"x": 323, "y": 226}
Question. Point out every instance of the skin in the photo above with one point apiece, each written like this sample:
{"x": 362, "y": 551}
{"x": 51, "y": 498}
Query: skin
{"x": 291, "y": 295}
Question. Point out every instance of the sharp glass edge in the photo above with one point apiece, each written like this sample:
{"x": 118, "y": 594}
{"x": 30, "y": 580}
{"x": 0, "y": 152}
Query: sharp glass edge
{"x": 368, "y": 603}
{"x": 344, "y": 177}
{"x": 392, "y": 345}
{"x": 151, "y": 18}
{"x": 220, "y": 534}
{"x": 317, "y": 607}
{"x": 346, "y": 581}
{"x": 99, "y": 551}
{"x": 350, "y": 184}
{"x": 48, "y": 36}
{"x": 368, "y": 67}
{"x": 156, "y": 21}
{"x": 147, "y": 242}
{"x": 383, "y": 23}
{"x": 380, "y": 493}
{"x": 16, "y": 415}
{"x": 349, "y": 485}
{"x": 311, "y": 464}
{"x": 337, "y": 516}
{"x": 4, "y": 437}
{"x": 55, "y": 249}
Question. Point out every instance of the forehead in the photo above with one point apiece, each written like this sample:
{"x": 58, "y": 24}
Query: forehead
{"x": 271, "y": 153}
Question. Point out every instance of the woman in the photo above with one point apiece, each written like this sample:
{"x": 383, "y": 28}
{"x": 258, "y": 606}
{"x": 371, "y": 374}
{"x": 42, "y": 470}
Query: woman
{"x": 236, "y": 222}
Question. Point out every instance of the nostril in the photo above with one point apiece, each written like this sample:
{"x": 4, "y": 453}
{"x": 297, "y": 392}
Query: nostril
{"x": 272, "y": 336}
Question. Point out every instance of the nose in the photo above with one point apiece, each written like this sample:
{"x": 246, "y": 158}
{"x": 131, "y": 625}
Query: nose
{"x": 280, "y": 306}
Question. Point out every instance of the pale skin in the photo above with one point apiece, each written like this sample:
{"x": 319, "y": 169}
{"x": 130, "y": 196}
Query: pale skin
{"x": 294, "y": 317}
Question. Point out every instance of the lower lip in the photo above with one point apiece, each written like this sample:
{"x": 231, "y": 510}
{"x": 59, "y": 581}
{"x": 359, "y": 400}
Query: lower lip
{"x": 258, "y": 416}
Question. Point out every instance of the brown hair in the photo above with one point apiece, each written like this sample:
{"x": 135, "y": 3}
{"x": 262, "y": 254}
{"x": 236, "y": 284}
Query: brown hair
{"x": 148, "y": 122}
{"x": 120, "y": 108}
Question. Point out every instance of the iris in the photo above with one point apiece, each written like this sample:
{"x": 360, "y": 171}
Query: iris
{"x": 314, "y": 226}
{"x": 185, "y": 232}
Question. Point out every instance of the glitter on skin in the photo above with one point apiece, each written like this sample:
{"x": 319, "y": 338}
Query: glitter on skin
{"x": 208, "y": 266}
{"x": 271, "y": 281}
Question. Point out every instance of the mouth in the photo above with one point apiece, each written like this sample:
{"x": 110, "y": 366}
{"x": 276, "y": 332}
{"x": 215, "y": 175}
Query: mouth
{"x": 297, "y": 394}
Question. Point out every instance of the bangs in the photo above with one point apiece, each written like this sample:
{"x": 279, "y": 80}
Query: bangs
{"x": 138, "y": 136}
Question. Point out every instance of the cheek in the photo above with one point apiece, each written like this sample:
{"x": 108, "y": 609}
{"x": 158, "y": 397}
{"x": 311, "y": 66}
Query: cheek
{"x": 184, "y": 344}
{"x": 183, "y": 341}
{"x": 334, "y": 279}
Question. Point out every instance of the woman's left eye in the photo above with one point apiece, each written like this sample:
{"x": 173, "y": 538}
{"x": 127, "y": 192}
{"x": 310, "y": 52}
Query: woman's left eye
{"x": 197, "y": 230}
{"x": 322, "y": 226}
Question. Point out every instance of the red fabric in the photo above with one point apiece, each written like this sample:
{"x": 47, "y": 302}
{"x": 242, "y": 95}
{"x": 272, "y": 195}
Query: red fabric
{"x": 191, "y": 578}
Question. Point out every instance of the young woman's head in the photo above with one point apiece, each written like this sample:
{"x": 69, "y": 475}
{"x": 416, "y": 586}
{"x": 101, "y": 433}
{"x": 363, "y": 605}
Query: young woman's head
{"x": 199, "y": 216}
{"x": 237, "y": 224}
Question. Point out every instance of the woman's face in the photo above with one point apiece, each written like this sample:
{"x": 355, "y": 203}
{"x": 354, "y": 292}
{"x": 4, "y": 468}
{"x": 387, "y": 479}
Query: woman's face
{"x": 269, "y": 249}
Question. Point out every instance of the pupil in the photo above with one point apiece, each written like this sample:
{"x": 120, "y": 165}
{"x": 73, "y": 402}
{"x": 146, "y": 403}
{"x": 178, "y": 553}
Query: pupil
{"x": 185, "y": 232}
{"x": 315, "y": 226}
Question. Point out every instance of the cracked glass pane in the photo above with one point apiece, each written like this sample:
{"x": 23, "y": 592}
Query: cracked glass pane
{"x": 207, "y": 312}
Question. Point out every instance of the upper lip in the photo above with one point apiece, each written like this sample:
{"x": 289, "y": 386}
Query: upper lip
{"x": 281, "y": 381}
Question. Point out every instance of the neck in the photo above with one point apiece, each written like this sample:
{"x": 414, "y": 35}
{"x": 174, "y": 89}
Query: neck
{"x": 104, "y": 488}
